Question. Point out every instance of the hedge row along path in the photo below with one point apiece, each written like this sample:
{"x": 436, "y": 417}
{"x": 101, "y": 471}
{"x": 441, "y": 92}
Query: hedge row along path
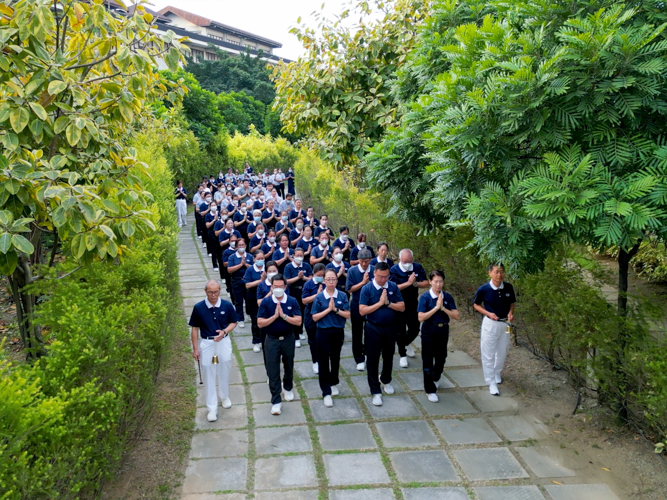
{"x": 470, "y": 445}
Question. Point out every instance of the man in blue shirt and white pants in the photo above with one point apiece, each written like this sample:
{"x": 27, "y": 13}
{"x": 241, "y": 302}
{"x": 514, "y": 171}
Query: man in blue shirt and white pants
{"x": 495, "y": 300}
{"x": 212, "y": 321}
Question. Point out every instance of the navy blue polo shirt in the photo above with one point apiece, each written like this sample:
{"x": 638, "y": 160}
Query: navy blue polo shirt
{"x": 226, "y": 254}
{"x": 208, "y": 320}
{"x": 346, "y": 254}
{"x": 218, "y": 225}
{"x": 496, "y": 301}
{"x": 390, "y": 263}
{"x": 342, "y": 280}
{"x": 209, "y": 217}
{"x": 224, "y": 235}
{"x": 235, "y": 260}
{"x": 243, "y": 228}
{"x": 370, "y": 295}
{"x": 307, "y": 245}
{"x": 426, "y": 303}
{"x": 266, "y": 214}
{"x": 310, "y": 288}
{"x": 307, "y": 221}
{"x": 268, "y": 247}
{"x": 317, "y": 252}
{"x": 251, "y": 275}
{"x": 293, "y": 235}
{"x": 292, "y": 272}
{"x": 203, "y": 207}
{"x": 331, "y": 320}
{"x": 355, "y": 252}
{"x": 294, "y": 214}
{"x": 179, "y": 195}
{"x": 410, "y": 293}
{"x": 256, "y": 240}
{"x": 288, "y": 225}
{"x": 252, "y": 227}
{"x": 264, "y": 288}
{"x": 354, "y": 277}
{"x": 319, "y": 230}
{"x": 279, "y": 254}
{"x": 258, "y": 205}
{"x": 280, "y": 327}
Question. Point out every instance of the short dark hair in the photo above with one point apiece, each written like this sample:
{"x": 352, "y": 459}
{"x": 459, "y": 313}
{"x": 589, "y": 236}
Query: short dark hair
{"x": 271, "y": 263}
{"x": 436, "y": 272}
{"x": 257, "y": 252}
{"x": 383, "y": 244}
{"x": 281, "y": 237}
{"x": 319, "y": 267}
{"x": 381, "y": 266}
{"x": 499, "y": 265}
{"x": 344, "y": 228}
{"x": 324, "y": 215}
{"x": 364, "y": 254}
{"x": 277, "y": 277}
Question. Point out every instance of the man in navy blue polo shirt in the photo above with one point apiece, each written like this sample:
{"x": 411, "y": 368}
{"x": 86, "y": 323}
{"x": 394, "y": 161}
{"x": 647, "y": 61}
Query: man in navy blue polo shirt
{"x": 212, "y": 321}
{"x": 380, "y": 301}
{"x": 296, "y": 274}
{"x": 495, "y": 300}
{"x": 357, "y": 277}
{"x": 277, "y": 316}
{"x": 237, "y": 264}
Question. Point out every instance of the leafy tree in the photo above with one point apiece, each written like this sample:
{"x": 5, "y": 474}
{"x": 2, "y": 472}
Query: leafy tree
{"x": 77, "y": 79}
{"x": 240, "y": 110}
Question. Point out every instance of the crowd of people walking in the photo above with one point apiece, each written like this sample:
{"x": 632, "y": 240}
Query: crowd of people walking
{"x": 300, "y": 281}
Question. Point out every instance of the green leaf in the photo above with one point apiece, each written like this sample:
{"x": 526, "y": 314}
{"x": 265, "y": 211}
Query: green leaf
{"x": 128, "y": 227}
{"x": 8, "y": 263}
{"x": 56, "y": 87}
{"x": 73, "y": 135}
{"x": 6, "y": 217}
{"x": 78, "y": 246}
{"x": 39, "y": 110}
{"x": 91, "y": 241}
{"x": 13, "y": 185}
{"x": 126, "y": 111}
{"x": 111, "y": 206}
{"x": 59, "y": 216}
{"x": 108, "y": 231}
{"x": 19, "y": 119}
{"x": 22, "y": 244}
{"x": 5, "y": 242}
{"x": 61, "y": 124}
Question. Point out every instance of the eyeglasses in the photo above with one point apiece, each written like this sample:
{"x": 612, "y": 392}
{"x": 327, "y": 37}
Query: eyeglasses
{"x": 216, "y": 292}
{"x": 331, "y": 280}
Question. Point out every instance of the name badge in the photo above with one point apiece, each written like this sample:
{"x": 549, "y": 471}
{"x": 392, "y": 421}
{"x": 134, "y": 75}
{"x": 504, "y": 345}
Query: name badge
{"x": 223, "y": 312}
{"x": 289, "y": 307}
{"x": 339, "y": 302}
{"x": 391, "y": 293}
{"x": 507, "y": 295}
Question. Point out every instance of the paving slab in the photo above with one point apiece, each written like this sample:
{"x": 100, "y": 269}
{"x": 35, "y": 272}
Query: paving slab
{"x": 509, "y": 493}
{"x": 413, "y": 363}
{"x": 434, "y": 494}
{"x": 215, "y": 474}
{"x": 231, "y": 418}
{"x": 269, "y": 440}
{"x": 292, "y": 413}
{"x": 355, "y": 468}
{"x": 490, "y": 463}
{"x": 415, "y": 381}
{"x": 467, "y": 377}
{"x": 580, "y": 492}
{"x": 343, "y": 409}
{"x": 376, "y": 494}
{"x": 487, "y": 402}
{"x": 197, "y": 272}
{"x": 407, "y": 434}
{"x": 361, "y": 383}
{"x": 468, "y": 431}
{"x": 226, "y": 443}
{"x": 313, "y": 391}
{"x": 459, "y": 358}
{"x": 195, "y": 278}
{"x": 346, "y": 437}
{"x": 349, "y": 365}
{"x": 214, "y": 496}
{"x": 450, "y": 403}
{"x": 285, "y": 472}
{"x": 256, "y": 373}
{"x": 260, "y": 393}
{"x": 287, "y": 495}
{"x": 520, "y": 427}
{"x": 393, "y": 406}
{"x": 236, "y": 394}
{"x": 250, "y": 358}
{"x": 423, "y": 466}
{"x": 346, "y": 351}
{"x": 304, "y": 369}
{"x": 242, "y": 342}
{"x": 545, "y": 461}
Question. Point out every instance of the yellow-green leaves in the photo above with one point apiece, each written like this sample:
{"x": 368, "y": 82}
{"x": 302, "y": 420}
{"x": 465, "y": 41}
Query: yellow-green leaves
{"x": 19, "y": 118}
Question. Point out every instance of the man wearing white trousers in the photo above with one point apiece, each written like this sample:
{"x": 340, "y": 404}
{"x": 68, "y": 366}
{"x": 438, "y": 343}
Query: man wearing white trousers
{"x": 212, "y": 320}
{"x": 495, "y": 300}
{"x": 181, "y": 204}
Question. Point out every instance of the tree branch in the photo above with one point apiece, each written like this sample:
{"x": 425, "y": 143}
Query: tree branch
{"x": 54, "y": 250}
{"x": 91, "y": 64}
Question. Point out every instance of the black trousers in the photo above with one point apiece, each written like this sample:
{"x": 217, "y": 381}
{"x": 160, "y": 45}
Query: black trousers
{"x": 251, "y": 308}
{"x": 228, "y": 281}
{"x": 434, "y": 353}
{"x": 380, "y": 342}
{"x": 296, "y": 293}
{"x": 210, "y": 247}
{"x": 329, "y": 345}
{"x": 198, "y": 223}
{"x": 277, "y": 350}
{"x": 358, "y": 321}
{"x": 238, "y": 287}
{"x": 312, "y": 342}
{"x": 408, "y": 327}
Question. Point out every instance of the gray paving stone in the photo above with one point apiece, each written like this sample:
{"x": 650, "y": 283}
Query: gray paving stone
{"x": 423, "y": 466}
{"x": 190, "y": 302}
{"x": 509, "y": 493}
{"x": 545, "y": 461}
{"x": 343, "y": 409}
{"x": 235, "y": 375}
{"x": 346, "y": 351}
{"x": 250, "y": 358}
{"x": 415, "y": 381}
{"x": 459, "y": 358}
{"x": 361, "y": 383}
{"x": 313, "y": 391}
{"x": 376, "y": 494}
{"x": 236, "y": 394}
{"x": 269, "y": 440}
{"x": 219, "y": 444}
{"x": 435, "y": 494}
{"x": 486, "y": 402}
{"x": 196, "y": 278}
{"x": 242, "y": 342}
{"x": 304, "y": 369}
{"x": 287, "y": 495}
{"x": 260, "y": 393}
{"x": 346, "y": 437}
{"x": 490, "y": 463}
{"x": 285, "y": 472}
{"x": 393, "y": 406}
{"x": 349, "y": 365}
{"x": 468, "y": 431}
{"x": 406, "y": 434}
{"x": 520, "y": 427}
{"x": 303, "y": 353}
{"x": 214, "y": 496}
{"x": 232, "y": 418}
{"x": 355, "y": 468}
{"x": 467, "y": 377}
{"x": 256, "y": 373}
{"x": 413, "y": 363}
{"x": 580, "y": 492}
{"x": 450, "y": 403}
{"x": 215, "y": 474}
{"x": 292, "y": 413}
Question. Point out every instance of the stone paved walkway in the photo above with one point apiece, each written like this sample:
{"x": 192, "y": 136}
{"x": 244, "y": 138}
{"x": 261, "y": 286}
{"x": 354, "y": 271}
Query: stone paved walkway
{"x": 470, "y": 445}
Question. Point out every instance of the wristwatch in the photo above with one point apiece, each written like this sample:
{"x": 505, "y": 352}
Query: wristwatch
{"x": 283, "y": 316}
{"x": 336, "y": 310}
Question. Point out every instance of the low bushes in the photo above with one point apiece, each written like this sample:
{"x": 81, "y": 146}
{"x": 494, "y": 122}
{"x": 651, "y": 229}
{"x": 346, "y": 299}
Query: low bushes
{"x": 65, "y": 421}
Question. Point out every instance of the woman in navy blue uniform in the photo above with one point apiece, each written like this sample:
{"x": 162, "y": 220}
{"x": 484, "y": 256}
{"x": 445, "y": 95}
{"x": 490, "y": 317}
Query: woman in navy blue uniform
{"x": 296, "y": 234}
{"x": 330, "y": 310}
{"x": 310, "y": 289}
{"x": 264, "y": 288}
{"x": 270, "y": 215}
{"x": 344, "y": 242}
{"x": 270, "y": 244}
{"x": 254, "y": 275}
{"x": 296, "y": 274}
{"x": 340, "y": 267}
{"x": 322, "y": 252}
{"x": 241, "y": 221}
{"x": 283, "y": 226}
{"x": 283, "y": 254}
{"x": 311, "y": 220}
{"x": 209, "y": 221}
{"x": 307, "y": 242}
{"x": 435, "y": 309}
{"x": 259, "y": 238}
{"x": 361, "y": 245}
{"x": 254, "y": 225}
{"x": 357, "y": 277}
{"x": 237, "y": 264}
{"x": 382, "y": 256}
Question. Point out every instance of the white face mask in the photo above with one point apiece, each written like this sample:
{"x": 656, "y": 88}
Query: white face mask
{"x": 272, "y": 239}
{"x": 338, "y": 257}
{"x": 224, "y": 217}
{"x": 243, "y": 210}
{"x": 270, "y": 275}
{"x": 241, "y": 250}
{"x": 344, "y": 237}
{"x": 323, "y": 244}
{"x": 362, "y": 244}
{"x": 232, "y": 245}
{"x": 298, "y": 260}
{"x": 208, "y": 199}
{"x": 278, "y": 292}
{"x": 407, "y": 267}
{"x": 299, "y": 225}
{"x": 260, "y": 232}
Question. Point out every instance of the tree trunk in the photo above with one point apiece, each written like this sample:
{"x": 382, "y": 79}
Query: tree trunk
{"x": 31, "y": 333}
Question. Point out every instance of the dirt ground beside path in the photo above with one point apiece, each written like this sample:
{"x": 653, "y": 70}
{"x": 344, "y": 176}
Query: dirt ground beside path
{"x": 592, "y": 443}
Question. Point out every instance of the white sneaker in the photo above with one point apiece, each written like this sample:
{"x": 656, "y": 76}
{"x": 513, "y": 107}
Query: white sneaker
{"x": 216, "y": 269}
{"x": 388, "y": 388}
{"x": 257, "y": 348}
{"x": 361, "y": 366}
{"x": 334, "y": 390}
{"x": 433, "y": 398}
{"x": 226, "y": 403}
{"x": 297, "y": 343}
{"x": 403, "y": 362}
{"x": 289, "y": 396}
{"x": 328, "y": 402}
{"x": 493, "y": 389}
{"x": 436, "y": 384}
{"x": 203, "y": 245}
{"x": 210, "y": 255}
{"x": 199, "y": 236}
{"x": 410, "y": 351}
{"x": 212, "y": 416}
{"x": 241, "y": 324}
{"x": 275, "y": 409}
{"x": 302, "y": 336}
{"x": 377, "y": 399}
{"x": 316, "y": 368}
{"x": 498, "y": 379}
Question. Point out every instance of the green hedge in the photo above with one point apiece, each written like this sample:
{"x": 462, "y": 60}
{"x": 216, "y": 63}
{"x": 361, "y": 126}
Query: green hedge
{"x": 65, "y": 422}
